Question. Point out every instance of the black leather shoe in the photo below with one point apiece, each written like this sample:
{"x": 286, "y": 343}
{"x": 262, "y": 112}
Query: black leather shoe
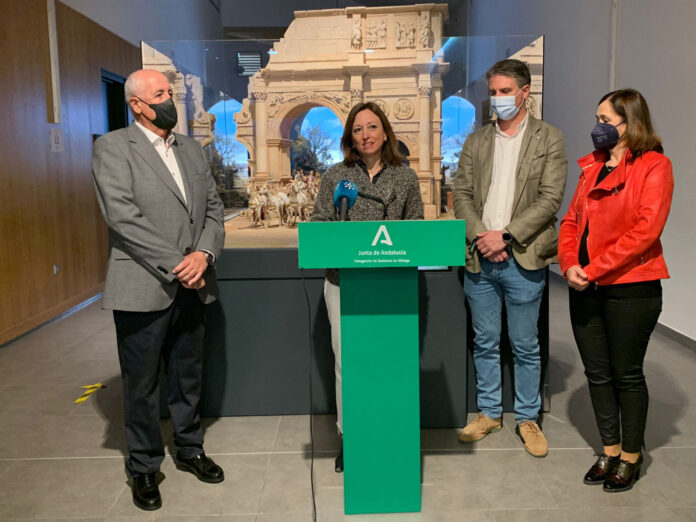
{"x": 623, "y": 476}
{"x": 338, "y": 466}
{"x": 598, "y": 472}
{"x": 203, "y": 467}
{"x": 146, "y": 493}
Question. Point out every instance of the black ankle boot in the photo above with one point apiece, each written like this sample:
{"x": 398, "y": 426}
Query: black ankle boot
{"x": 598, "y": 472}
{"x": 623, "y": 476}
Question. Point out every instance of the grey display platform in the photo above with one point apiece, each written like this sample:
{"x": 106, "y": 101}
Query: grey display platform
{"x": 258, "y": 361}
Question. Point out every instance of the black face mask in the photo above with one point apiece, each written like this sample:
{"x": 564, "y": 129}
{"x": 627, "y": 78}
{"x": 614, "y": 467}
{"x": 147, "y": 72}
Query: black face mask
{"x": 165, "y": 114}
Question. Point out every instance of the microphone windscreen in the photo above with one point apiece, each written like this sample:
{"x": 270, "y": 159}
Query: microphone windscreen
{"x": 345, "y": 189}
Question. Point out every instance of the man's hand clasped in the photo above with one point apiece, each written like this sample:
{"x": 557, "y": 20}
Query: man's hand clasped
{"x": 491, "y": 246}
{"x": 190, "y": 271}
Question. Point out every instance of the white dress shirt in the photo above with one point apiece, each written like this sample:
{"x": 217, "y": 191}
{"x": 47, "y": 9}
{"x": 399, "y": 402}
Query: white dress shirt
{"x": 164, "y": 149}
{"x": 498, "y": 207}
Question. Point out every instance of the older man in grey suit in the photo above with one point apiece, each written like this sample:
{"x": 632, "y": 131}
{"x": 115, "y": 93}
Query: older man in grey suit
{"x": 508, "y": 188}
{"x": 166, "y": 230}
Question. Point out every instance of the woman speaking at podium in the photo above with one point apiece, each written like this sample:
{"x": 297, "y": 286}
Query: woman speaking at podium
{"x": 609, "y": 251}
{"x": 375, "y": 185}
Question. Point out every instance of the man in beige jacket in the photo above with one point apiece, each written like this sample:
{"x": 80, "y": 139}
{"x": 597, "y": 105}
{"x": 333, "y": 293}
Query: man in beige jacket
{"x": 508, "y": 188}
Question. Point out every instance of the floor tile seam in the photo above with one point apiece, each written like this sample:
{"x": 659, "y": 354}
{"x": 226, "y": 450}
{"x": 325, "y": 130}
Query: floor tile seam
{"x": 216, "y": 515}
{"x": 12, "y": 465}
{"x": 540, "y": 473}
{"x": 73, "y": 414}
{"x": 504, "y": 509}
{"x": 465, "y": 451}
{"x": 263, "y": 485}
{"x": 511, "y": 428}
{"x": 34, "y": 459}
{"x": 269, "y": 513}
{"x": 53, "y": 519}
{"x": 316, "y": 452}
{"x": 520, "y": 449}
{"x": 74, "y": 341}
{"x": 555, "y": 418}
{"x": 324, "y": 453}
{"x": 113, "y": 504}
{"x": 35, "y": 369}
{"x": 661, "y": 448}
{"x": 85, "y": 339}
{"x": 23, "y": 375}
{"x": 32, "y": 338}
{"x": 277, "y": 431}
{"x": 216, "y": 454}
{"x": 320, "y": 513}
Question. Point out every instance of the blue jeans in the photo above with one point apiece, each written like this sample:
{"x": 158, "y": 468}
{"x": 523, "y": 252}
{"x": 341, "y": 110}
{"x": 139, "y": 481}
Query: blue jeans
{"x": 522, "y": 291}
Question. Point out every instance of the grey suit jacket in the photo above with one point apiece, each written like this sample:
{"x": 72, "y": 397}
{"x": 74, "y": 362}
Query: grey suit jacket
{"x": 151, "y": 228}
{"x": 540, "y": 182}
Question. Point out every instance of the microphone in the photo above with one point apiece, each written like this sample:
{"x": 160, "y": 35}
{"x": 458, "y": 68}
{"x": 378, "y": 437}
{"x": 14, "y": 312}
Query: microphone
{"x": 344, "y": 197}
{"x": 378, "y": 200}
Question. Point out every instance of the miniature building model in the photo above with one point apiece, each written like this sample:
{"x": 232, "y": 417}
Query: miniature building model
{"x": 336, "y": 58}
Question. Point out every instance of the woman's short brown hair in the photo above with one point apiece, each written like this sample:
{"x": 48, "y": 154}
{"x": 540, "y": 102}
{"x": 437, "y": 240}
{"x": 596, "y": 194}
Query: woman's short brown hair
{"x": 390, "y": 149}
{"x": 640, "y": 137}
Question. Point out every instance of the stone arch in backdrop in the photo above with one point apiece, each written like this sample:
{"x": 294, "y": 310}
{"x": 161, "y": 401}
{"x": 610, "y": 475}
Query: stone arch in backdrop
{"x": 336, "y": 58}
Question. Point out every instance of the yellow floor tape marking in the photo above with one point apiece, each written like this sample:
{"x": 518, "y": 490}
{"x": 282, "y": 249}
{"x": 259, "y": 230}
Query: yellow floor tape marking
{"x": 91, "y": 388}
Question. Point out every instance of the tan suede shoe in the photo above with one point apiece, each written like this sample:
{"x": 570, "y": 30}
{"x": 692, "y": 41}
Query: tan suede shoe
{"x": 534, "y": 441}
{"x": 479, "y": 428}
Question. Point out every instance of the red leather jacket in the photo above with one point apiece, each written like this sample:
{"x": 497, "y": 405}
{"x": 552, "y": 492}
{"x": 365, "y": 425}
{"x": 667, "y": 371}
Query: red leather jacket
{"x": 626, "y": 212}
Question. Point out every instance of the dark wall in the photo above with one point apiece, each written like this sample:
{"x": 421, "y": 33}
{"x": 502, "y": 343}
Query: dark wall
{"x": 259, "y": 354}
{"x": 262, "y": 15}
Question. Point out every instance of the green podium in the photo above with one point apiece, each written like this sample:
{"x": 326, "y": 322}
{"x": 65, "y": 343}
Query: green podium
{"x": 378, "y": 262}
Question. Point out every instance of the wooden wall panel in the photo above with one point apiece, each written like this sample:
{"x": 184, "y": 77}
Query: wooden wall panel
{"x": 48, "y": 211}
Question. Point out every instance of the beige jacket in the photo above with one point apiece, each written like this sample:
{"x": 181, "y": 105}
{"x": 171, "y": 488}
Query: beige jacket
{"x": 540, "y": 182}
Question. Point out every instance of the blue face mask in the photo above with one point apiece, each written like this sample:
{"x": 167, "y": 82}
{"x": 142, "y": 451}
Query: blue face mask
{"x": 505, "y": 107}
{"x": 605, "y": 136}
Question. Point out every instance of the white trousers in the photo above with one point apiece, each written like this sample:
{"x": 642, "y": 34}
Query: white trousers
{"x": 332, "y": 296}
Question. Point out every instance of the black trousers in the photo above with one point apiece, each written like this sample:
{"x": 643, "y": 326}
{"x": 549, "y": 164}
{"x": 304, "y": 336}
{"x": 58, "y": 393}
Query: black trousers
{"x": 612, "y": 326}
{"x": 147, "y": 340}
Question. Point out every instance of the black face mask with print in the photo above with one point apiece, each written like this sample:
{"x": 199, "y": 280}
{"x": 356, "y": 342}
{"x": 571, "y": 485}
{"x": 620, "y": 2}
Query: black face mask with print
{"x": 165, "y": 114}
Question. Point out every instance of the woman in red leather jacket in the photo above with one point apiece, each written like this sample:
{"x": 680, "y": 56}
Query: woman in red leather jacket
{"x": 610, "y": 252}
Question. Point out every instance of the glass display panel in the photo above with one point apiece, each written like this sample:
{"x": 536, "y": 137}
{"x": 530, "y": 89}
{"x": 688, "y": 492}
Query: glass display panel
{"x": 270, "y": 114}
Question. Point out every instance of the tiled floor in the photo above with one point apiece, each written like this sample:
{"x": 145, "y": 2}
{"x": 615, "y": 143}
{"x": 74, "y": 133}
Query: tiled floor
{"x": 60, "y": 461}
